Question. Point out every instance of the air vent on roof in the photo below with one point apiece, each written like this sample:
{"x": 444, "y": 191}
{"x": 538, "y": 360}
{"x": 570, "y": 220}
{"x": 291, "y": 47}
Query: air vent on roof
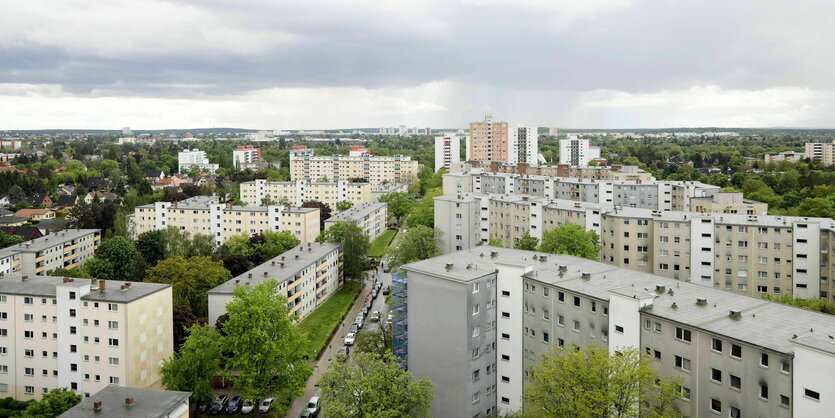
{"x": 265, "y": 274}
{"x": 586, "y": 275}
{"x": 297, "y": 256}
{"x": 449, "y": 266}
{"x": 543, "y": 258}
{"x": 735, "y": 314}
{"x": 659, "y": 288}
{"x": 494, "y": 254}
{"x": 701, "y": 301}
{"x": 562, "y": 268}
{"x": 249, "y": 275}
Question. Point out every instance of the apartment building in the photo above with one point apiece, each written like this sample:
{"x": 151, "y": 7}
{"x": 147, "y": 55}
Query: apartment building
{"x": 254, "y": 193}
{"x": 376, "y": 170}
{"x": 118, "y": 401}
{"x": 245, "y": 156}
{"x": 457, "y": 217}
{"x": 577, "y": 152}
{"x": 194, "y": 158}
{"x": 66, "y": 249}
{"x": 728, "y": 202}
{"x": 81, "y": 334}
{"x": 502, "y": 309}
{"x": 616, "y": 172}
{"x": 371, "y": 217}
{"x": 447, "y": 150}
{"x": 387, "y": 188}
{"x": 790, "y": 156}
{"x": 821, "y": 151}
{"x": 523, "y": 145}
{"x": 206, "y": 215}
{"x": 488, "y": 141}
{"x": 307, "y": 275}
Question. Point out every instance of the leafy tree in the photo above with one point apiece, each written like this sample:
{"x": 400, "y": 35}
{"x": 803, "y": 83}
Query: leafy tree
{"x": 183, "y": 320}
{"x": 180, "y": 243}
{"x": 16, "y": 194}
{"x": 344, "y": 205}
{"x": 374, "y": 386}
{"x": 376, "y": 342}
{"x": 399, "y": 204}
{"x": 821, "y": 207}
{"x": 354, "y": 244}
{"x": 191, "y": 278}
{"x": 418, "y": 243}
{"x": 495, "y": 242}
{"x": 264, "y": 347}
{"x": 193, "y": 367}
{"x": 119, "y": 252}
{"x": 571, "y": 239}
{"x": 7, "y": 240}
{"x": 52, "y": 404}
{"x": 324, "y": 211}
{"x": 423, "y": 212}
{"x": 270, "y": 244}
{"x": 237, "y": 264}
{"x": 527, "y": 242}
{"x": 150, "y": 244}
{"x": 99, "y": 269}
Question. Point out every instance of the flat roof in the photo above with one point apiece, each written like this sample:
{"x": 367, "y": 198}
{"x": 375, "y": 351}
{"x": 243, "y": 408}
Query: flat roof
{"x": 357, "y": 212}
{"x": 51, "y": 240}
{"x": 147, "y": 403}
{"x": 114, "y": 293}
{"x": 295, "y": 260}
{"x": 766, "y": 324}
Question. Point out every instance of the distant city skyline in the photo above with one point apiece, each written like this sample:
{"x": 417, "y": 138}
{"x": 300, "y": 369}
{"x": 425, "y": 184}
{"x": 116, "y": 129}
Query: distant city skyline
{"x": 323, "y": 64}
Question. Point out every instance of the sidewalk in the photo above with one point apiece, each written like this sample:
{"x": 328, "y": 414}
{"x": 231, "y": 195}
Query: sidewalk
{"x": 322, "y": 364}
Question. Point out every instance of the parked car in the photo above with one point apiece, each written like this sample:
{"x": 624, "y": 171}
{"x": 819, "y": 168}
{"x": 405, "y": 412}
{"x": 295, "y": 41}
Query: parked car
{"x": 305, "y": 414}
{"x": 354, "y": 328}
{"x": 248, "y": 406}
{"x": 313, "y": 406}
{"x": 234, "y": 405}
{"x": 218, "y": 404}
{"x": 375, "y": 316}
{"x": 349, "y": 339}
{"x": 389, "y": 320}
{"x": 367, "y": 307}
{"x": 359, "y": 320}
{"x": 387, "y": 290}
{"x": 265, "y": 405}
{"x": 204, "y": 407}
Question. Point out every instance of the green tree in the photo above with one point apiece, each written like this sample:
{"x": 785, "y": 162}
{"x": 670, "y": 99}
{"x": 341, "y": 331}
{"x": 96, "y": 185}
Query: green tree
{"x": 354, "y": 245}
{"x": 117, "y": 254}
{"x": 150, "y": 244}
{"x": 418, "y": 243}
{"x": 7, "y": 240}
{"x": 190, "y": 278}
{"x": 495, "y": 242}
{"x": 422, "y": 213}
{"x": 589, "y": 382}
{"x": 571, "y": 239}
{"x": 399, "y": 204}
{"x": 377, "y": 342}
{"x": 527, "y": 242}
{"x": 344, "y": 205}
{"x": 270, "y": 244}
{"x": 324, "y": 211}
{"x": 374, "y": 386}
{"x": 193, "y": 367}
{"x": 181, "y": 243}
{"x": 53, "y": 404}
{"x": 264, "y": 347}
{"x": 820, "y": 207}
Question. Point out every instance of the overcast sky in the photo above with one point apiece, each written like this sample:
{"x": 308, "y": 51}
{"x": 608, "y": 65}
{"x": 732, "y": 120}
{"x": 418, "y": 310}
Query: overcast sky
{"x": 269, "y": 64}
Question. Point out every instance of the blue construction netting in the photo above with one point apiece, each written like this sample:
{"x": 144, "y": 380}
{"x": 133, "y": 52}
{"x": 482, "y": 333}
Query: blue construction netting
{"x": 399, "y": 328}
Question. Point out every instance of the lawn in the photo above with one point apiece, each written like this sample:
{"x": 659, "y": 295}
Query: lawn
{"x": 319, "y": 325}
{"x": 378, "y": 247}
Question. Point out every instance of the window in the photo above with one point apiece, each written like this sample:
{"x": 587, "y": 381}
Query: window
{"x": 29, "y": 334}
{"x": 475, "y": 397}
{"x": 685, "y": 392}
{"x": 811, "y": 394}
{"x": 716, "y": 405}
{"x": 476, "y": 331}
{"x": 475, "y": 312}
{"x": 475, "y": 352}
{"x": 505, "y": 379}
{"x": 29, "y": 371}
{"x": 4, "y": 369}
{"x": 113, "y": 342}
{"x": 505, "y": 357}
{"x": 736, "y": 351}
{"x": 505, "y": 400}
{"x": 735, "y": 412}
{"x": 561, "y": 296}
{"x": 657, "y": 355}
{"x": 619, "y": 329}
{"x": 683, "y": 334}
{"x": 764, "y": 359}
{"x": 546, "y": 337}
{"x": 475, "y": 287}
{"x": 114, "y": 380}
{"x": 657, "y": 327}
{"x": 682, "y": 363}
{"x": 764, "y": 391}
{"x": 716, "y": 375}
{"x": 784, "y": 400}
{"x": 785, "y": 367}
{"x": 505, "y": 293}
{"x": 27, "y": 300}
{"x": 30, "y": 390}
{"x": 716, "y": 345}
{"x": 736, "y": 382}
{"x": 577, "y": 326}
{"x": 576, "y": 301}
{"x": 505, "y": 314}
{"x": 560, "y": 320}
{"x": 112, "y": 307}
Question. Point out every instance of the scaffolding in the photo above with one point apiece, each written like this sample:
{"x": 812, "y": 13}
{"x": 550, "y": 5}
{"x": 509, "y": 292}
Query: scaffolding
{"x": 399, "y": 329}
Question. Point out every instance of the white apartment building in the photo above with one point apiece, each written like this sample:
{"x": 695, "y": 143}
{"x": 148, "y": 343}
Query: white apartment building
{"x": 523, "y": 145}
{"x": 821, "y": 151}
{"x": 789, "y": 156}
{"x": 503, "y": 309}
{"x": 81, "y": 334}
{"x": 297, "y": 192}
{"x": 575, "y": 151}
{"x": 447, "y": 150}
{"x": 187, "y": 159}
{"x": 65, "y": 249}
{"x": 376, "y": 170}
{"x": 206, "y": 215}
{"x": 245, "y": 156}
{"x": 371, "y": 217}
{"x": 307, "y": 275}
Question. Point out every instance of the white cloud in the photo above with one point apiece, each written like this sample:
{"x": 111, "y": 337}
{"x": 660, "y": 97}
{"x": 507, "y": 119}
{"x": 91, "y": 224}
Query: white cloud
{"x": 567, "y": 9}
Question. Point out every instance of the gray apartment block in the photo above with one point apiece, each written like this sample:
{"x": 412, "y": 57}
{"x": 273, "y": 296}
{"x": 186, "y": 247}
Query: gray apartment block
{"x": 736, "y": 355}
{"x": 458, "y": 219}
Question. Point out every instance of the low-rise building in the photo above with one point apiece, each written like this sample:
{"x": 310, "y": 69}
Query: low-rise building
{"x": 206, "y": 215}
{"x": 81, "y": 334}
{"x": 67, "y": 249}
{"x": 35, "y": 214}
{"x": 790, "y": 156}
{"x": 256, "y": 192}
{"x": 117, "y": 401}
{"x": 307, "y": 276}
{"x": 371, "y": 217}
{"x": 502, "y": 309}
{"x": 728, "y": 202}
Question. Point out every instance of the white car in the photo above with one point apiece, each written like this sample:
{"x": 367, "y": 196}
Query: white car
{"x": 248, "y": 406}
{"x": 375, "y": 316}
{"x": 349, "y": 339}
{"x": 389, "y": 320}
{"x": 359, "y": 320}
{"x": 265, "y": 406}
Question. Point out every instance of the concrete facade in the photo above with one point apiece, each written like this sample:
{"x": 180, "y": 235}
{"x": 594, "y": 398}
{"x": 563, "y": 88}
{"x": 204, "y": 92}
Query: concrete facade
{"x": 376, "y": 170}
{"x": 295, "y": 193}
{"x": 371, "y": 217}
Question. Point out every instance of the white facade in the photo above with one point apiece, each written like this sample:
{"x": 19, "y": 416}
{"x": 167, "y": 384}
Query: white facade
{"x": 245, "y": 156}
{"x": 523, "y": 145}
{"x": 447, "y": 150}
{"x": 186, "y": 159}
{"x": 577, "y": 152}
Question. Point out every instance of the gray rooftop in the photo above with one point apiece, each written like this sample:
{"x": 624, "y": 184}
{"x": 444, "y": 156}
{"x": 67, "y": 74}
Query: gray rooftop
{"x": 294, "y": 261}
{"x": 114, "y": 293}
{"x": 356, "y": 212}
{"x": 51, "y": 240}
{"x": 44, "y": 286}
{"x": 148, "y": 403}
{"x": 763, "y": 323}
